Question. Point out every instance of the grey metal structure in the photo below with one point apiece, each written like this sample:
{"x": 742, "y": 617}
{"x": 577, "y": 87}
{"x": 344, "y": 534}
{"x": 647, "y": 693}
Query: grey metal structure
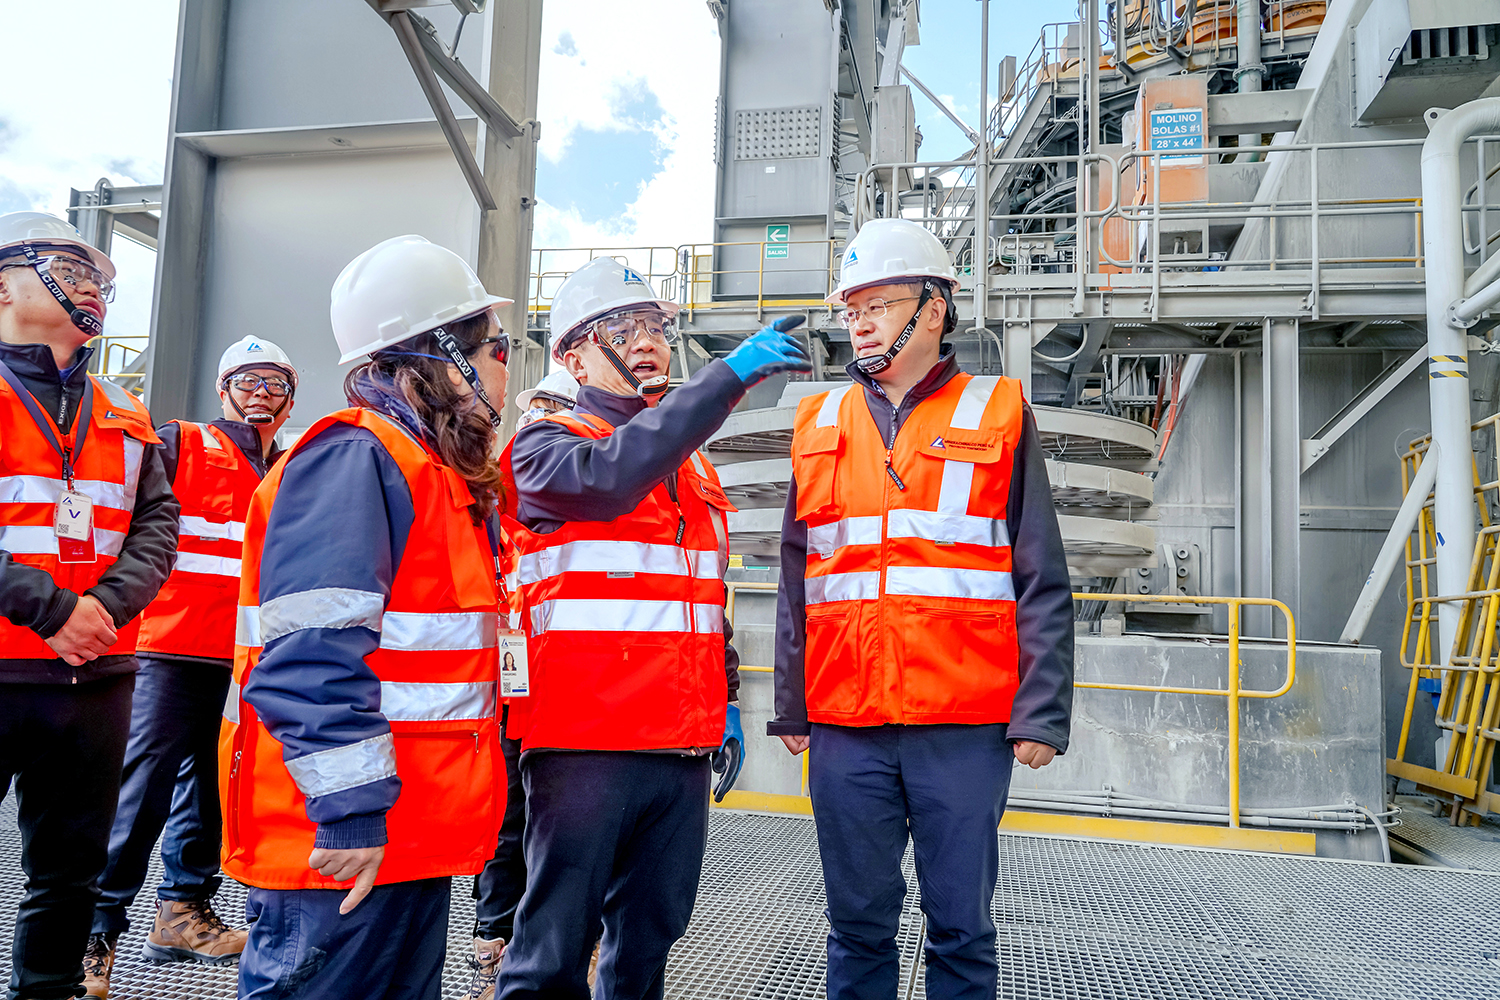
{"x": 301, "y": 136}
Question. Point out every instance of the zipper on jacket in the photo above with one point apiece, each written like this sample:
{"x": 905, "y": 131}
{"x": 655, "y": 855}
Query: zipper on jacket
{"x": 232, "y": 821}
{"x": 890, "y": 471}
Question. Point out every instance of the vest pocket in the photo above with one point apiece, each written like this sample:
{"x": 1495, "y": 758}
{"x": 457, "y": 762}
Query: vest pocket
{"x": 959, "y": 663}
{"x": 815, "y": 466}
{"x": 834, "y": 678}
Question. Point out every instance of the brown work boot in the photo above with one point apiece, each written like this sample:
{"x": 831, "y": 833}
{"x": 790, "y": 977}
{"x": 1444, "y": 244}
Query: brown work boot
{"x": 192, "y": 932}
{"x": 486, "y": 966}
{"x": 98, "y": 960}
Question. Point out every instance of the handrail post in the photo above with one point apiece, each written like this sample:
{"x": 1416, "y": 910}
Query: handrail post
{"x": 1317, "y": 269}
{"x": 1234, "y": 714}
{"x": 760, "y": 285}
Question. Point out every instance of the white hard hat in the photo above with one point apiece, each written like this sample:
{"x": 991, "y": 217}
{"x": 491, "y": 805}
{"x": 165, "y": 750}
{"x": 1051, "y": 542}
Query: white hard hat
{"x": 887, "y": 250}
{"x": 602, "y": 286}
{"x": 401, "y": 288}
{"x": 43, "y": 230}
{"x": 253, "y": 352}
{"x": 558, "y": 385}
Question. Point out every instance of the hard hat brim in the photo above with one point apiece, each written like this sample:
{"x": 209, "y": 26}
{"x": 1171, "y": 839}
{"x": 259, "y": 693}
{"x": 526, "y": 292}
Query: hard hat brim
{"x": 489, "y": 302}
{"x": 840, "y": 295}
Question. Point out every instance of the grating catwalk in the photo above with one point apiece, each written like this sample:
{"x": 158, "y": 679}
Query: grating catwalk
{"x": 1083, "y": 919}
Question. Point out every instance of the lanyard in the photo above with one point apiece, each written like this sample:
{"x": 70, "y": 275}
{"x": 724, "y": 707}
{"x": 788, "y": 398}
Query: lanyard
{"x": 85, "y": 411}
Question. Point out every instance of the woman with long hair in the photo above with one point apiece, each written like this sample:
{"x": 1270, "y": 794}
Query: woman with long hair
{"x": 361, "y": 755}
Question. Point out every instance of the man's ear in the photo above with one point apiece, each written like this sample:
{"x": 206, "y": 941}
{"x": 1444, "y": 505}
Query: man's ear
{"x": 5, "y": 294}
{"x": 574, "y": 365}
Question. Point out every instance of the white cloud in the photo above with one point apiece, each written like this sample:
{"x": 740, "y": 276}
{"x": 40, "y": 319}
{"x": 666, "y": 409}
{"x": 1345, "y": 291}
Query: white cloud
{"x": 592, "y": 52}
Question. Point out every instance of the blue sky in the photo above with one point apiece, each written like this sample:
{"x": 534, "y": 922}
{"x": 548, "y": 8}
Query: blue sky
{"x": 626, "y": 105}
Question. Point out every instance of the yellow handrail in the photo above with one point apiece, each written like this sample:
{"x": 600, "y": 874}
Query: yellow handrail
{"x": 1232, "y": 690}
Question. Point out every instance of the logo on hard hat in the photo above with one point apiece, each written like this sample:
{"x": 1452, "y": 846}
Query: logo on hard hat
{"x": 253, "y": 346}
{"x": 632, "y": 277}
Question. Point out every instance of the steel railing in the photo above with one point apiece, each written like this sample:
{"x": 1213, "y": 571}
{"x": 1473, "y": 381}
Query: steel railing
{"x": 1233, "y": 691}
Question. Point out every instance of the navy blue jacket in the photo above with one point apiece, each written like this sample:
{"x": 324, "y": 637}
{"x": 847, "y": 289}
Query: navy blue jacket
{"x": 342, "y": 519}
{"x": 1039, "y": 571}
{"x": 563, "y": 477}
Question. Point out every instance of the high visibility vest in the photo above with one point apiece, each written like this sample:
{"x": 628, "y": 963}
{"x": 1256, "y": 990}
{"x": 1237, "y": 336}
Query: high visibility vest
{"x": 193, "y": 614}
{"x": 625, "y": 618}
{"x": 911, "y": 614}
{"x": 116, "y": 431}
{"x": 438, "y": 674}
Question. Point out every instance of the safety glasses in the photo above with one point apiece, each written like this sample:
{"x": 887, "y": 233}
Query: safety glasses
{"x": 72, "y": 273}
{"x": 874, "y": 309}
{"x": 499, "y": 346}
{"x": 249, "y": 384}
{"x": 620, "y": 330}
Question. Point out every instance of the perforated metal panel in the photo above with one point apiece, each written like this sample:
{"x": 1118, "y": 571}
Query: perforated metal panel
{"x": 777, "y": 134}
{"x": 1441, "y": 843}
{"x": 1077, "y": 919}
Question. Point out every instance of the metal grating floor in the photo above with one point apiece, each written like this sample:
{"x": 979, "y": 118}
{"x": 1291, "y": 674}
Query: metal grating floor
{"x": 1440, "y": 843}
{"x": 1078, "y": 919}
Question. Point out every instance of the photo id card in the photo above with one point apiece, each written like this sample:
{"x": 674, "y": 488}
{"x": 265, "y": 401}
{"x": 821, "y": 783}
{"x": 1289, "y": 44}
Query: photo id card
{"x": 515, "y": 678}
{"x": 73, "y": 524}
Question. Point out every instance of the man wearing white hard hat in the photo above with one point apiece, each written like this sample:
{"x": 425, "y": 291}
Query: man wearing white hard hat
{"x": 186, "y": 651}
{"x": 88, "y": 528}
{"x": 556, "y": 391}
{"x": 360, "y": 747}
{"x": 621, "y": 539}
{"x": 924, "y": 627}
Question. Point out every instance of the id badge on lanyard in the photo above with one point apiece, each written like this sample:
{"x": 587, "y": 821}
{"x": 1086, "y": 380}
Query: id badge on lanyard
{"x": 515, "y": 677}
{"x": 73, "y": 516}
{"x": 73, "y": 524}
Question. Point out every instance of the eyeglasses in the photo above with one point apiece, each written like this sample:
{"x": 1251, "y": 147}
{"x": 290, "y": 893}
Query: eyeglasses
{"x": 72, "y": 273}
{"x": 249, "y": 384}
{"x": 620, "y": 330}
{"x": 499, "y": 347}
{"x": 874, "y": 309}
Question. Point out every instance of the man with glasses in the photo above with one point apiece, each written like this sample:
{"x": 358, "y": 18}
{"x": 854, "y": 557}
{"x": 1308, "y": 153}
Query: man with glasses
{"x": 187, "y": 648}
{"x": 619, "y": 527}
{"x": 924, "y": 626}
{"x": 88, "y": 528}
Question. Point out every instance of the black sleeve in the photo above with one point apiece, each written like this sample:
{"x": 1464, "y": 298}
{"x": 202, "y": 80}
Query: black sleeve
{"x": 30, "y": 598}
{"x": 170, "y": 448}
{"x": 731, "y": 662}
{"x": 563, "y": 477}
{"x": 1044, "y": 600}
{"x": 150, "y": 547}
{"x": 790, "y": 717}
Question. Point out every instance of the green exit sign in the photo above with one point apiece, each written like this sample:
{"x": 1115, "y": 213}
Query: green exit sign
{"x": 778, "y": 241}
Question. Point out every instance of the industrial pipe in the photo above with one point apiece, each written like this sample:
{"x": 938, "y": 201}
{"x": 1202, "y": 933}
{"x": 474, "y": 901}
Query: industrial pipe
{"x": 1393, "y": 548}
{"x": 1466, "y": 311}
{"x": 1448, "y": 344}
{"x": 1250, "y": 72}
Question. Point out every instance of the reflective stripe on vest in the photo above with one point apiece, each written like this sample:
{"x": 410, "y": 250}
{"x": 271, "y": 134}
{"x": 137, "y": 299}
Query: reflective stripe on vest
{"x": 626, "y": 616}
{"x": 339, "y": 608}
{"x": 345, "y": 767}
{"x": 197, "y": 562}
{"x": 617, "y": 557}
{"x": 414, "y": 701}
{"x": 39, "y": 540}
{"x": 204, "y": 528}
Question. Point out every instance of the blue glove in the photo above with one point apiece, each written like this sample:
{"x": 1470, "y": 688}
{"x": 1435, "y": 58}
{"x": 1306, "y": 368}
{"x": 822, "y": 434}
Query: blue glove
{"x": 772, "y": 349}
{"x": 731, "y": 754}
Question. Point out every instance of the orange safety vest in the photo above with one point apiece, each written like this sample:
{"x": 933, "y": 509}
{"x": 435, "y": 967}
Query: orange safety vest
{"x": 911, "y": 614}
{"x": 107, "y": 468}
{"x": 193, "y": 614}
{"x": 625, "y": 618}
{"x": 438, "y": 688}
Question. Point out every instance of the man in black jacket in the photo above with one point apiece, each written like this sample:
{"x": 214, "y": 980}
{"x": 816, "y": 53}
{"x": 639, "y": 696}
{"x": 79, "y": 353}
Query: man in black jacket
{"x": 67, "y": 659}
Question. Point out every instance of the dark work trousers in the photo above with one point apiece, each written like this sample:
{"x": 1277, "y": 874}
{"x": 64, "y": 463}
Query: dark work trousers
{"x": 171, "y": 781}
{"x": 946, "y": 786}
{"x": 63, "y": 746}
{"x": 615, "y": 839}
{"x": 391, "y": 946}
{"x": 497, "y": 889}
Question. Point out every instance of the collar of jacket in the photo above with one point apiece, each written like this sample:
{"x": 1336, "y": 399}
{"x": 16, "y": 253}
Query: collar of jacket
{"x": 247, "y": 439}
{"x": 34, "y": 361}
{"x": 936, "y": 377}
{"x": 608, "y": 406}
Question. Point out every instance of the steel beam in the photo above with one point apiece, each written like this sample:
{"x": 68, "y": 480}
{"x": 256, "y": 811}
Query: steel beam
{"x": 1282, "y": 462}
{"x": 1364, "y": 401}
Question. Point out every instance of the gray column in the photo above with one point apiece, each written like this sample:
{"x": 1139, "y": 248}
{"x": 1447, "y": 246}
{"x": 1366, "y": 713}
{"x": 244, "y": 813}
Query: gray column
{"x": 1282, "y": 460}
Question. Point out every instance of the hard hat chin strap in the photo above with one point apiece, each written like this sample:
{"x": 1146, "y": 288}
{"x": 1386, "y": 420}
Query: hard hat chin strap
{"x": 82, "y": 318}
{"x": 880, "y": 362}
{"x": 450, "y": 347}
{"x": 653, "y": 386}
{"x": 253, "y": 419}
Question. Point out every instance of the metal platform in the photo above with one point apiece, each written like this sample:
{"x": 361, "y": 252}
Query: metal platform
{"x": 1426, "y": 837}
{"x": 1077, "y": 918}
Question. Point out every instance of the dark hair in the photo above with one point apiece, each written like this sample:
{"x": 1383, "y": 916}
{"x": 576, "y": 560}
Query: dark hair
{"x": 414, "y": 389}
{"x": 940, "y": 289}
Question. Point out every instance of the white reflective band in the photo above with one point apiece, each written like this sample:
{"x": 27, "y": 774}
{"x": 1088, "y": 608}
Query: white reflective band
{"x": 195, "y": 562}
{"x": 625, "y": 616}
{"x": 940, "y": 526}
{"x": 41, "y": 489}
{"x": 973, "y": 400}
{"x": 412, "y": 631}
{"x": 614, "y": 556}
{"x": 204, "y": 528}
{"x": 39, "y": 540}
{"x": 326, "y": 607}
{"x": 826, "y": 538}
{"x": 958, "y": 484}
{"x": 247, "y": 626}
{"x": 933, "y": 581}
{"x": 232, "y": 704}
{"x": 700, "y": 464}
{"x": 341, "y": 768}
{"x": 413, "y": 701}
{"x": 828, "y": 415}
{"x": 843, "y": 587}
{"x": 209, "y": 441}
{"x": 135, "y": 451}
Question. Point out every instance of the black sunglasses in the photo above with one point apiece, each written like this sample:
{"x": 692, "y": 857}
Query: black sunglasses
{"x": 499, "y": 347}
